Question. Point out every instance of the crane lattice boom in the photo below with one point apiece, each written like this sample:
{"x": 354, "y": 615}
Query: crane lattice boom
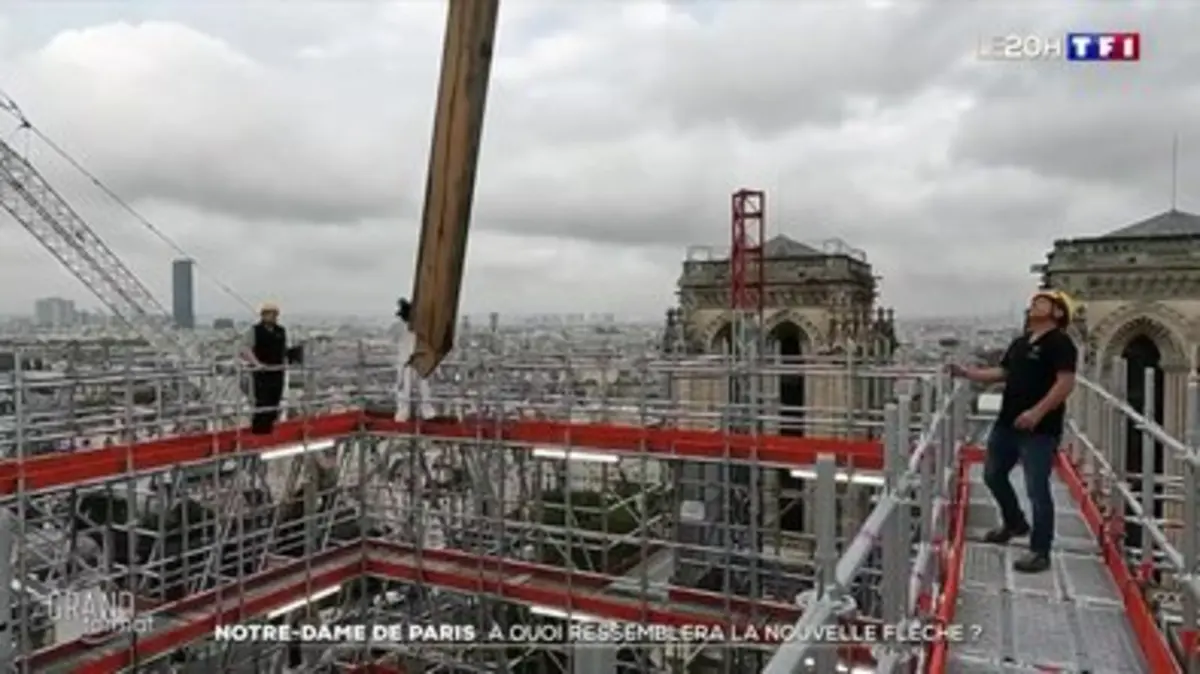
{"x": 45, "y": 214}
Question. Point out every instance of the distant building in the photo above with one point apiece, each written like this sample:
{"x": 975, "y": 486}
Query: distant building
{"x": 54, "y": 312}
{"x": 183, "y": 294}
{"x": 223, "y": 324}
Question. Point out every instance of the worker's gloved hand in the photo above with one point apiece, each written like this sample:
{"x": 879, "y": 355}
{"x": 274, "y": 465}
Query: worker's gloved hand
{"x": 403, "y": 310}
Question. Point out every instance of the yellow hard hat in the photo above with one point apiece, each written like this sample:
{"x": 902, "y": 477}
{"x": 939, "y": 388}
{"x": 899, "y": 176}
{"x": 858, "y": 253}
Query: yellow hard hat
{"x": 268, "y": 307}
{"x": 1062, "y": 300}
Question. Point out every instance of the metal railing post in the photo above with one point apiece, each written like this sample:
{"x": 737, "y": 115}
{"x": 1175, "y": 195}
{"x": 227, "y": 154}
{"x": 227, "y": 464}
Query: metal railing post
{"x": 1088, "y": 410}
{"x": 1102, "y": 439}
{"x": 904, "y": 524}
{"x": 7, "y": 637}
{"x": 944, "y": 452}
{"x": 1192, "y": 426}
{"x": 1149, "y": 473}
{"x": 958, "y": 419}
{"x": 1120, "y": 443}
{"x": 927, "y": 492}
{"x": 24, "y": 640}
{"x": 894, "y": 551}
{"x": 826, "y": 552}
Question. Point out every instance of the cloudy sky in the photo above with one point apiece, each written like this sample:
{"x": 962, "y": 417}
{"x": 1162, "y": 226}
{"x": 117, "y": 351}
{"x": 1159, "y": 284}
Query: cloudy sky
{"x": 283, "y": 145}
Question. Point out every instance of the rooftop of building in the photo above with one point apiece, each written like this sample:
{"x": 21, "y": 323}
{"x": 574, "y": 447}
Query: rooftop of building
{"x": 1168, "y": 224}
{"x": 783, "y": 247}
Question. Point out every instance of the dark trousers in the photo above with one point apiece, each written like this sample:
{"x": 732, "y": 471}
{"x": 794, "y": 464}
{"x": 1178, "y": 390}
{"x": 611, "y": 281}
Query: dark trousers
{"x": 1036, "y": 452}
{"x": 268, "y": 391}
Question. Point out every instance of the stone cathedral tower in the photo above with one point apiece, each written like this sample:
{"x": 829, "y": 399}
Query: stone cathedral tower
{"x": 819, "y": 302}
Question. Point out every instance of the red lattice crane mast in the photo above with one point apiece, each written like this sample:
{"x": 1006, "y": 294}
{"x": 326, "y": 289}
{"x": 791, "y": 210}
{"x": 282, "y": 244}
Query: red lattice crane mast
{"x": 746, "y": 297}
{"x": 746, "y": 268}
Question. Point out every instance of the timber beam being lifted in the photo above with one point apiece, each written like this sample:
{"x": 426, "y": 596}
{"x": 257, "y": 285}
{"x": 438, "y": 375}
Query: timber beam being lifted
{"x": 450, "y": 187}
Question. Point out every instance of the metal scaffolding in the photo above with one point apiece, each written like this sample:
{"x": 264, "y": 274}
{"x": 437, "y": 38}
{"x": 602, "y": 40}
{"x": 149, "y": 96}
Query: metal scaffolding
{"x": 536, "y": 508}
{"x": 536, "y": 503}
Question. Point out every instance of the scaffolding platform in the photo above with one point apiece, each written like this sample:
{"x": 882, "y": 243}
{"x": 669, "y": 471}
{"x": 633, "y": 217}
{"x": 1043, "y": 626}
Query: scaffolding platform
{"x": 283, "y": 583}
{"x": 1070, "y": 619}
{"x": 56, "y": 470}
{"x": 327, "y": 572}
{"x": 675, "y": 513}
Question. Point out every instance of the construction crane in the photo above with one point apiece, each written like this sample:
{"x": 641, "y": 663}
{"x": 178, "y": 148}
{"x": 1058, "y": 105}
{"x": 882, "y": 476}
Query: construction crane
{"x": 437, "y": 282}
{"x": 46, "y": 215}
{"x": 450, "y": 185}
{"x": 57, "y": 226}
{"x": 30, "y": 199}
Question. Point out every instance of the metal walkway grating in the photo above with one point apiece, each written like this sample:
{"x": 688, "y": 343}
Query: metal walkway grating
{"x": 1035, "y": 622}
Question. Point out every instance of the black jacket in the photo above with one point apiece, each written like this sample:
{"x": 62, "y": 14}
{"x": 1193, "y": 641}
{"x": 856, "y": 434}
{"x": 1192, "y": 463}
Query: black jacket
{"x": 270, "y": 346}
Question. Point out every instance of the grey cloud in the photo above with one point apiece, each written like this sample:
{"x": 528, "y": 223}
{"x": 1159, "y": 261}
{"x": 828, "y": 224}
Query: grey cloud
{"x": 636, "y": 192}
{"x": 1020, "y": 205}
{"x": 941, "y": 293}
{"x": 233, "y": 136}
{"x": 1118, "y": 138}
{"x": 770, "y": 71}
{"x": 1103, "y": 123}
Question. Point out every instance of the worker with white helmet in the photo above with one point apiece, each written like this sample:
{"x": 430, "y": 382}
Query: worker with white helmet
{"x": 409, "y": 400}
{"x": 1038, "y": 371}
{"x": 265, "y": 350}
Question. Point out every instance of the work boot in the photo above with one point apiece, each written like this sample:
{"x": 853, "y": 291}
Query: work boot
{"x": 1002, "y": 535}
{"x": 1034, "y": 562}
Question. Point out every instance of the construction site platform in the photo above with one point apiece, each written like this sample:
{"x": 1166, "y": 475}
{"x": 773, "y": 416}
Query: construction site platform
{"x": 1069, "y": 619}
{"x": 914, "y": 551}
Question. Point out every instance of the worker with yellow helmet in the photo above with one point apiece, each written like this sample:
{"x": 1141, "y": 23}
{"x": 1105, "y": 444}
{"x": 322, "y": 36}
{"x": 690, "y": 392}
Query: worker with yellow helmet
{"x": 1059, "y": 304}
{"x": 1038, "y": 372}
{"x": 265, "y": 350}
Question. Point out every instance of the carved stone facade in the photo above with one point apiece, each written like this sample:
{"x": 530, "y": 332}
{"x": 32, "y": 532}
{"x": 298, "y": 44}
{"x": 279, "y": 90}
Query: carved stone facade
{"x": 1138, "y": 283}
{"x": 828, "y": 294}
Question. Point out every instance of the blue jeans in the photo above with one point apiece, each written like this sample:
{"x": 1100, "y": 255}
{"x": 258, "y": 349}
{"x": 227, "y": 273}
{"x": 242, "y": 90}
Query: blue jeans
{"x": 1035, "y": 452}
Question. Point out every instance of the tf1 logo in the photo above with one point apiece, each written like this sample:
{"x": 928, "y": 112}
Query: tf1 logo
{"x": 1104, "y": 46}
{"x": 1075, "y": 47}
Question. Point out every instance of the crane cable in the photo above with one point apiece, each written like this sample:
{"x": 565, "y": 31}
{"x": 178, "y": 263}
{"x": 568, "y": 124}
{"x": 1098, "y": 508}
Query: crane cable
{"x": 9, "y": 105}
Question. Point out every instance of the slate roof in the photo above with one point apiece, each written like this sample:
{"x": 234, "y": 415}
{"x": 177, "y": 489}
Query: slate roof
{"x": 1166, "y": 224}
{"x": 782, "y": 246}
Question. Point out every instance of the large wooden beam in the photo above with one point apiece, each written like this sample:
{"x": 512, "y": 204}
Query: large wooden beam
{"x": 450, "y": 187}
